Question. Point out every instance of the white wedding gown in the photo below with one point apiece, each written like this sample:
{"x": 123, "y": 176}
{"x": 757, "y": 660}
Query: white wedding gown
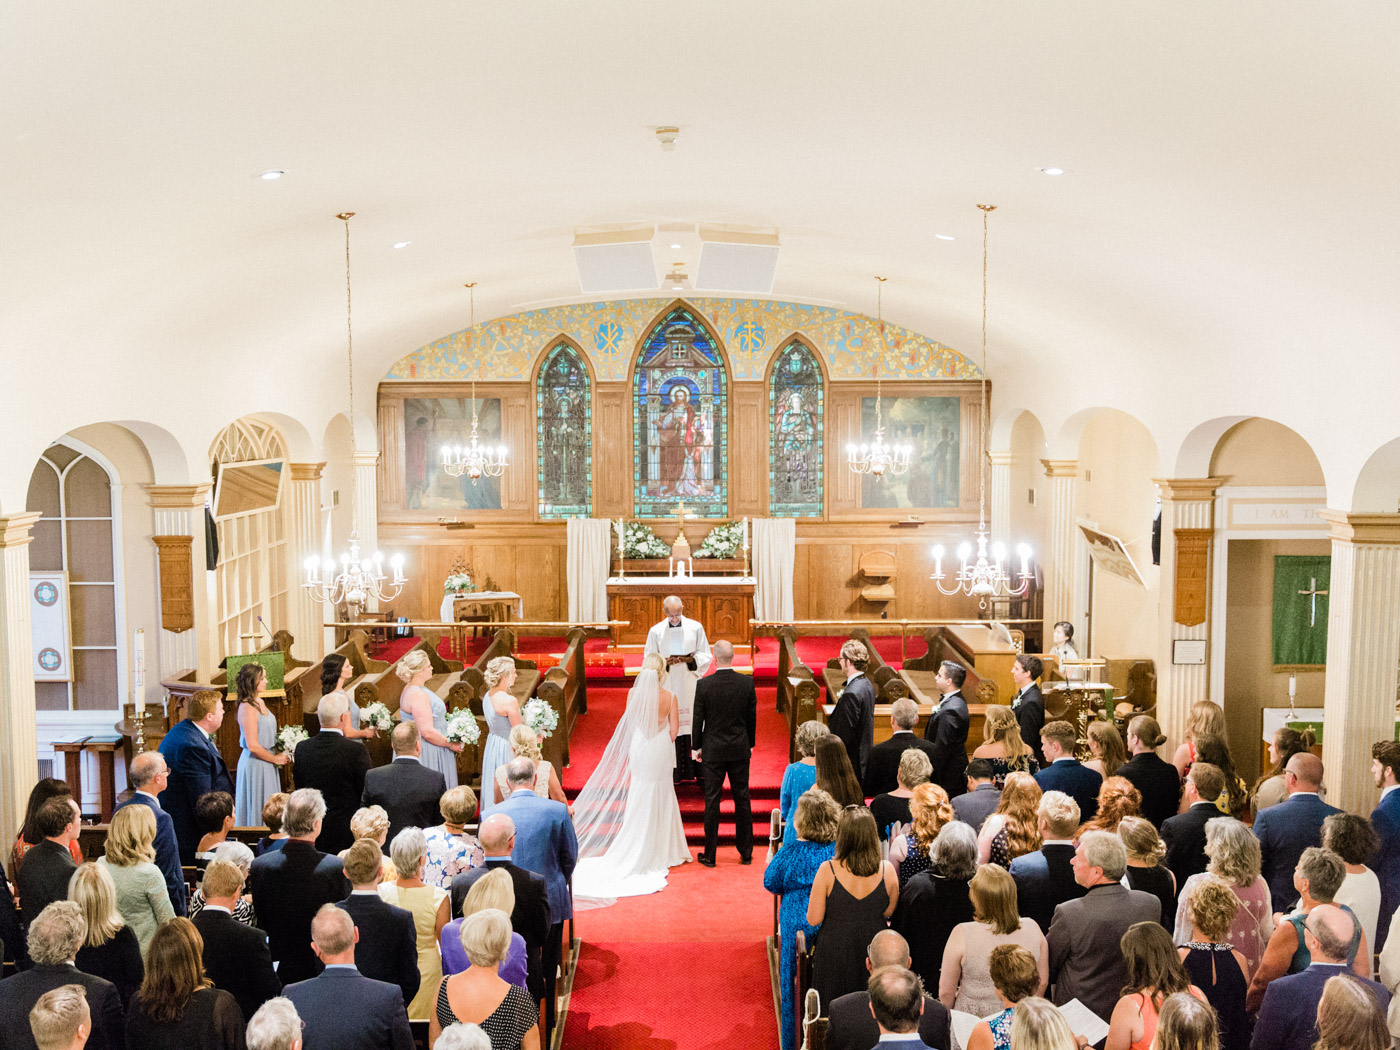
{"x": 627, "y": 818}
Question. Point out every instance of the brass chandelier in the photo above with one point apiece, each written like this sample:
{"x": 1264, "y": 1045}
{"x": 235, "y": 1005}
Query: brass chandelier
{"x": 474, "y": 459}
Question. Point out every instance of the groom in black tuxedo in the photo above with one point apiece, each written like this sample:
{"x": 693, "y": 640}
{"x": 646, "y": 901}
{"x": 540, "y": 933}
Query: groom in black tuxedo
{"x": 724, "y": 725}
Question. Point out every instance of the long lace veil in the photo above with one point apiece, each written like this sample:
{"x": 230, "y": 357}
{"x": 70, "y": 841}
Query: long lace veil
{"x": 599, "y": 806}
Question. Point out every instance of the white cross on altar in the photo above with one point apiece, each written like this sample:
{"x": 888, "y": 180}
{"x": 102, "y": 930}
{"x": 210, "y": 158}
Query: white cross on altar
{"x": 1312, "y": 592}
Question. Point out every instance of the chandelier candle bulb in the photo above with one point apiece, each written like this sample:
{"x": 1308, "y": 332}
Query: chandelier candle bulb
{"x": 1025, "y": 552}
{"x": 938, "y": 561}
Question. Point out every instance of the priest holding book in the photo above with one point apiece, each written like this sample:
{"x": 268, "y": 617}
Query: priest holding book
{"x": 681, "y": 643}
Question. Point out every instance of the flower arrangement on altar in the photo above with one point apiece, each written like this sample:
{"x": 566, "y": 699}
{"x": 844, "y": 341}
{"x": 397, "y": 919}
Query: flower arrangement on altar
{"x": 540, "y": 717}
{"x": 723, "y": 541}
{"x": 377, "y": 716}
{"x": 288, "y": 737}
{"x": 458, "y": 583}
{"x": 639, "y": 541}
{"x": 462, "y": 728}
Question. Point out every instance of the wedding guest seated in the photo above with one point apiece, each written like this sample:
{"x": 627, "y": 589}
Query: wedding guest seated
{"x": 1349, "y": 1018}
{"x": 1316, "y": 879}
{"x": 1066, "y": 773}
{"x": 61, "y": 1019}
{"x": 1106, "y": 749}
{"x": 407, "y": 789}
{"x": 236, "y": 957}
{"x": 130, "y": 860}
{"x": 853, "y": 894}
{"x": 982, "y": 796}
{"x": 525, "y": 742}
{"x": 29, "y": 837}
{"x": 48, "y": 865}
{"x": 882, "y": 763}
{"x": 492, "y": 890}
{"x": 275, "y": 1026}
{"x": 371, "y": 822}
{"x": 835, "y": 774}
{"x": 341, "y": 1008}
{"x": 808, "y": 843}
{"x": 451, "y": 850}
{"x": 933, "y": 902}
{"x": 897, "y": 1001}
{"x": 110, "y": 950}
{"x": 1146, "y": 871}
{"x": 929, "y": 810}
{"x": 178, "y": 1007}
{"x": 1354, "y": 840}
{"x": 427, "y": 904}
{"x": 272, "y": 811}
{"x": 213, "y": 815}
{"x": 1234, "y": 856}
{"x": 1014, "y": 829}
{"x": 891, "y": 809}
{"x": 1214, "y": 967}
{"x": 1015, "y": 976}
{"x": 851, "y": 1025}
{"x": 802, "y": 774}
{"x": 1045, "y": 878}
{"x": 1155, "y": 971}
{"x": 479, "y": 996}
{"x": 1288, "y": 1013}
{"x": 240, "y": 855}
{"x": 964, "y": 982}
{"x": 387, "y": 946}
{"x": 1156, "y": 780}
{"x": 1003, "y": 747}
{"x": 1186, "y": 1023}
{"x": 1117, "y": 799}
{"x": 55, "y": 937}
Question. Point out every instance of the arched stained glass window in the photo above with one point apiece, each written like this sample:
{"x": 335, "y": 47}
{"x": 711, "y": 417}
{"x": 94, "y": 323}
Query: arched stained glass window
{"x": 680, "y": 415}
{"x": 564, "y": 426}
{"x": 795, "y": 435}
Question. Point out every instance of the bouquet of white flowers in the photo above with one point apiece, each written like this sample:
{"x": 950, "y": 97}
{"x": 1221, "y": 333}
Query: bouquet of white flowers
{"x": 462, "y": 728}
{"x": 458, "y": 583}
{"x": 640, "y": 542}
{"x": 377, "y": 716}
{"x": 540, "y": 717}
{"x": 289, "y": 737}
{"x": 722, "y": 541}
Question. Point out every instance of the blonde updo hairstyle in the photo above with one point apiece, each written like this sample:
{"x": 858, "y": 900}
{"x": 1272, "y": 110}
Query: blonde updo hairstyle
{"x": 411, "y": 663}
{"x": 497, "y": 670}
{"x": 525, "y": 742}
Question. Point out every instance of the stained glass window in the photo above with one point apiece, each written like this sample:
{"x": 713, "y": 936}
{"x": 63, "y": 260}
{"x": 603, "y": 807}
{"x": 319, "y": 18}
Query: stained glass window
{"x": 565, "y": 432}
{"x": 679, "y": 419}
{"x": 795, "y": 435}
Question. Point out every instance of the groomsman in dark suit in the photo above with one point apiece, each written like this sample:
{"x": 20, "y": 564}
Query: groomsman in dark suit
{"x": 148, "y": 777}
{"x": 335, "y": 767}
{"x": 853, "y": 721}
{"x": 196, "y": 767}
{"x": 947, "y": 728}
{"x": 1028, "y": 705}
{"x": 408, "y": 790}
{"x": 1185, "y": 833}
{"x": 1385, "y": 819}
{"x": 387, "y": 949}
{"x": 724, "y": 727}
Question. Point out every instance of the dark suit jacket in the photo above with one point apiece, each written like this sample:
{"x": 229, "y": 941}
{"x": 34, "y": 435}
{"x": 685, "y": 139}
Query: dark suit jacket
{"x": 882, "y": 764}
{"x": 1076, "y": 780}
{"x": 42, "y": 878}
{"x": 167, "y": 851}
{"x": 1158, "y": 781}
{"x": 336, "y": 767}
{"x": 545, "y": 843}
{"x": 530, "y": 918}
{"x": 344, "y": 1010}
{"x": 196, "y": 768}
{"x": 1385, "y": 819}
{"x": 1284, "y": 831}
{"x": 19, "y": 993}
{"x": 10, "y": 933}
{"x": 237, "y": 959}
{"x": 1045, "y": 880}
{"x": 388, "y": 946}
{"x": 1086, "y": 960}
{"x": 853, "y": 720}
{"x": 948, "y": 731}
{"x": 289, "y": 885}
{"x": 851, "y": 1027}
{"x": 409, "y": 792}
{"x": 1030, "y": 714}
{"x": 974, "y": 807}
{"x": 1288, "y": 1016}
{"x": 1185, "y": 838}
{"x": 724, "y": 722}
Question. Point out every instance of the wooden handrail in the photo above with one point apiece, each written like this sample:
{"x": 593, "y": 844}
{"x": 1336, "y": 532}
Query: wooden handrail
{"x": 602, "y": 625}
{"x": 903, "y": 625}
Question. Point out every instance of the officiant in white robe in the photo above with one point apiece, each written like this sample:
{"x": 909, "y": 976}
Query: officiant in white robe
{"x": 681, "y": 642}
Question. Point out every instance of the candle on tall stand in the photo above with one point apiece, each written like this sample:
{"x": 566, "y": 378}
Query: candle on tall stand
{"x": 1292, "y": 694}
{"x": 746, "y": 546}
{"x": 621, "y": 549}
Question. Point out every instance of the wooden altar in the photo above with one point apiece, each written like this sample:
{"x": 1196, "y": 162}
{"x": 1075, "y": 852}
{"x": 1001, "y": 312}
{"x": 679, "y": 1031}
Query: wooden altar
{"x": 722, "y": 604}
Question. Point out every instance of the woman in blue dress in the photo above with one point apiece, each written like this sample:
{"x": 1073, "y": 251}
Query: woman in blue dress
{"x": 502, "y": 713}
{"x": 336, "y": 674}
{"x": 417, "y": 704}
{"x": 809, "y": 843}
{"x": 258, "y": 774}
{"x": 802, "y": 774}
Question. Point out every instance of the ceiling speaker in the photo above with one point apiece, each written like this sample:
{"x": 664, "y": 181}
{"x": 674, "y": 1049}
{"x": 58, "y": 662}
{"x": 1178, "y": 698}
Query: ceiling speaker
{"x": 736, "y": 261}
{"x": 619, "y": 260}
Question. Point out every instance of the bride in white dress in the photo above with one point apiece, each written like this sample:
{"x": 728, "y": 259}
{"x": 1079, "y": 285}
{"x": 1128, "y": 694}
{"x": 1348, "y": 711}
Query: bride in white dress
{"x": 626, "y": 817}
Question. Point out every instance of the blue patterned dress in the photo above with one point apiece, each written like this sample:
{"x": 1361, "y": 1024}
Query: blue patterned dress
{"x": 1000, "y": 1024}
{"x": 791, "y": 873}
{"x": 255, "y": 779}
{"x": 496, "y": 752}
{"x": 443, "y": 759}
{"x": 798, "y": 778}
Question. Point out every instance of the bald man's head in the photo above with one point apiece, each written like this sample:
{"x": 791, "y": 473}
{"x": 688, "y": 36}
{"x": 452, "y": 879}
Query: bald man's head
{"x": 333, "y": 934}
{"x": 887, "y": 948}
{"x": 723, "y": 653}
{"x": 672, "y": 606}
{"x": 1307, "y": 768}
{"x": 495, "y": 834}
{"x": 145, "y": 767}
{"x": 1332, "y": 930}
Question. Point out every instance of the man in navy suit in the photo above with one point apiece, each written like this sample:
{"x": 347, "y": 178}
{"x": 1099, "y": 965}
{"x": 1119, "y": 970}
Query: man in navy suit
{"x": 386, "y": 946}
{"x": 1185, "y": 833}
{"x": 853, "y": 720}
{"x": 1287, "y": 829}
{"x": 408, "y": 790}
{"x": 335, "y": 767}
{"x": 342, "y": 1009}
{"x": 545, "y": 844}
{"x": 196, "y": 767}
{"x": 1045, "y": 879}
{"x": 1063, "y": 772}
{"x": 947, "y": 728}
{"x": 1288, "y": 1016}
{"x": 149, "y": 776}
{"x": 1385, "y": 819}
{"x": 1028, "y": 704}
{"x": 897, "y": 1003}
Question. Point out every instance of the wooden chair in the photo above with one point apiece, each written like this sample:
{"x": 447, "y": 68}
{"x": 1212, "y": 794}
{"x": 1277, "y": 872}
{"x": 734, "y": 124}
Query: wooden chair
{"x": 803, "y": 992}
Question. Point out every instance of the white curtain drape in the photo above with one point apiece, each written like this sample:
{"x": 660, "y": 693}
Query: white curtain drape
{"x": 589, "y": 557}
{"x": 774, "y": 548}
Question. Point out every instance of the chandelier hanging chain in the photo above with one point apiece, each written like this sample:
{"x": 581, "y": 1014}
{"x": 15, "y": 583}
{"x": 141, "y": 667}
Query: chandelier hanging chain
{"x": 879, "y": 459}
{"x": 987, "y": 210}
{"x": 474, "y": 460}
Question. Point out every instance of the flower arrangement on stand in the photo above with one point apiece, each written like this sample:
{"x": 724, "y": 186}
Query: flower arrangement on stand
{"x": 458, "y": 583}
{"x": 639, "y": 541}
{"x": 540, "y": 717}
{"x": 462, "y": 728}
{"x": 376, "y": 716}
{"x": 288, "y": 737}
{"x": 723, "y": 541}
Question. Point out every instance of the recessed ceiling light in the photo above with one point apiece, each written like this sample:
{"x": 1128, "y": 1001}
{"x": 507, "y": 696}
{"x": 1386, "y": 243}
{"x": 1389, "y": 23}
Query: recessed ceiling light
{"x": 270, "y": 174}
{"x": 402, "y": 244}
{"x": 677, "y": 287}
{"x": 676, "y": 247}
{"x": 944, "y": 236}
{"x": 1052, "y": 171}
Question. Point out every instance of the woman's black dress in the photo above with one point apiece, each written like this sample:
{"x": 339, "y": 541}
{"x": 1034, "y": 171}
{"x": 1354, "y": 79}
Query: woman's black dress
{"x": 929, "y": 907}
{"x": 1213, "y": 970}
{"x": 838, "y": 963}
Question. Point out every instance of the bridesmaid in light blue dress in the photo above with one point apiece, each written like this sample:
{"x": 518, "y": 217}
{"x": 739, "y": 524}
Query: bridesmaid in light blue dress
{"x": 418, "y": 705}
{"x": 336, "y": 674}
{"x": 502, "y": 712}
{"x": 257, "y": 775}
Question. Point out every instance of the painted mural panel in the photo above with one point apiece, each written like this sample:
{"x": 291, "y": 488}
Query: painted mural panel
{"x": 795, "y": 438}
{"x": 931, "y": 425}
{"x": 564, "y": 427}
{"x": 429, "y": 424}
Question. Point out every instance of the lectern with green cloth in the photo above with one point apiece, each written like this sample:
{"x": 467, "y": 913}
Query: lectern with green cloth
{"x": 1301, "y": 584}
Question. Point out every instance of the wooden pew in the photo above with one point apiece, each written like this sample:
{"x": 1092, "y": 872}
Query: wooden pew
{"x": 888, "y": 685}
{"x": 799, "y": 695}
{"x": 565, "y": 689}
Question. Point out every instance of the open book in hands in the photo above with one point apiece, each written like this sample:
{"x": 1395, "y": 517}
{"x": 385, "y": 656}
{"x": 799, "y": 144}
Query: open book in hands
{"x": 1083, "y": 1022}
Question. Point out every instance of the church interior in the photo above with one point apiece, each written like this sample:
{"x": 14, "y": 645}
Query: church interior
{"x": 932, "y": 325}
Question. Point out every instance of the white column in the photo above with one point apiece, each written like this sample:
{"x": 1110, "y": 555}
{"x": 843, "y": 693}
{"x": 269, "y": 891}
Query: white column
{"x": 1188, "y": 515}
{"x": 304, "y": 538}
{"x": 1363, "y": 647}
{"x": 1058, "y": 558}
{"x": 19, "y": 738}
{"x": 178, "y": 510}
{"x": 366, "y": 509}
{"x": 1001, "y": 497}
